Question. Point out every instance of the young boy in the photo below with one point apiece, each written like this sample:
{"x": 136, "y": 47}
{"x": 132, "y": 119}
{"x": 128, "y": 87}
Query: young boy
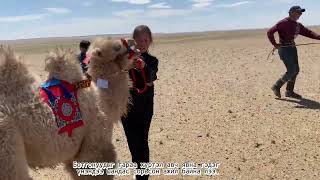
{"x": 84, "y": 58}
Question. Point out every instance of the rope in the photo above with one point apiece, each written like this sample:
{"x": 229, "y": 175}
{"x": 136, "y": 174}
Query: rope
{"x": 292, "y": 45}
{"x": 134, "y": 79}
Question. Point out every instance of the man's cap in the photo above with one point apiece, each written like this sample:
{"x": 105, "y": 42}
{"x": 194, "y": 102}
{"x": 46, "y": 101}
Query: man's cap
{"x": 297, "y": 9}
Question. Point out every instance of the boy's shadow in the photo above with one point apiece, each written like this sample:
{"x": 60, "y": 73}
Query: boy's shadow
{"x": 304, "y": 103}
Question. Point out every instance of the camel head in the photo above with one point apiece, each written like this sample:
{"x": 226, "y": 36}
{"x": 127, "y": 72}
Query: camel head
{"x": 110, "y": 53}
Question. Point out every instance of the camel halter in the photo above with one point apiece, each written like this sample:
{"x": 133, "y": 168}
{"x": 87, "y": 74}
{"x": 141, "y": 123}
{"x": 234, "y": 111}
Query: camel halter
{"x": 134, "y": 79}
{"x": 292, "y": 45}
{"x": 139, "y": 66}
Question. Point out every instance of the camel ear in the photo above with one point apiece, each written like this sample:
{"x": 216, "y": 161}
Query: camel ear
{"x": 97, "y": 52}
{"x": 116, "y": 47}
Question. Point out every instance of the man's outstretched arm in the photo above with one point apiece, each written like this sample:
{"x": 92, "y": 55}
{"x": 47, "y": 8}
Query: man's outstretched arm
{"x": 308, "y": 33}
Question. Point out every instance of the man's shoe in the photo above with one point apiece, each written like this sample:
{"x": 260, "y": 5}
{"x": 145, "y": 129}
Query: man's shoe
{"x": 276, "y": 91}
{"x": 293, "y": 95}
{"x": 277, "y": 86}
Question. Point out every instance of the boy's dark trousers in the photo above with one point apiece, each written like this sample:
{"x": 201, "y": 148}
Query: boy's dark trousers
{"x": 289, "y": 56}
{"x": 136, "y": 126}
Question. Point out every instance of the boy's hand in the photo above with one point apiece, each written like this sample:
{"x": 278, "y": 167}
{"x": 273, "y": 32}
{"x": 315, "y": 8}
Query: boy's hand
{"x": 139, "y": 63}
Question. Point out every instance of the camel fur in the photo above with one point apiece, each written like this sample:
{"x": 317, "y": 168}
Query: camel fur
{"x": 28, "y": 131}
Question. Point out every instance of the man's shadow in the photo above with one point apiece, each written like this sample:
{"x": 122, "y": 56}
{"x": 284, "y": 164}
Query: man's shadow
{"x": 304, "y": 103}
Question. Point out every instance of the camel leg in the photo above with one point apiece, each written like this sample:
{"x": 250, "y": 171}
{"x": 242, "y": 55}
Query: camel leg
{"x": 93, "y": 151}
{"x": 13, "y": 162}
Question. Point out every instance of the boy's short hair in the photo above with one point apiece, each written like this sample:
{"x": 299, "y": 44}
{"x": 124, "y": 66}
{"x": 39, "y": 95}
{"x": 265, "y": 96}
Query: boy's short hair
{"x": 84, "y": 44}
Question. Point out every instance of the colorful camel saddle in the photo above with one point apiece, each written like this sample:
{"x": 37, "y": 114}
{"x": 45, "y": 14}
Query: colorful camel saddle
{"x": 61, "y": 97}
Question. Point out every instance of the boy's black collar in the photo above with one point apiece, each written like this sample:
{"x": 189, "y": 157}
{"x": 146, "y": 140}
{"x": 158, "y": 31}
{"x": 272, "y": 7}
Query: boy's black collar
{"x": 145, "y": 54}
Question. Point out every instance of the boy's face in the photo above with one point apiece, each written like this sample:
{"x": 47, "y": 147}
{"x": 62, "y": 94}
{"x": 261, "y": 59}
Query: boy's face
{"x": 143, "y": 41}
{"x": 83, "y": 50}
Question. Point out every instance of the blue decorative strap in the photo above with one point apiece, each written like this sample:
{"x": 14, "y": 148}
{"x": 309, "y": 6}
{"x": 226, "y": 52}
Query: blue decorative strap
{"x": 52, "y": 82}
{"x": 55, "y": 82}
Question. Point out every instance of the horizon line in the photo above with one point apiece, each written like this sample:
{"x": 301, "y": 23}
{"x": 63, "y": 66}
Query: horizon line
{"x": 126, "y": 34}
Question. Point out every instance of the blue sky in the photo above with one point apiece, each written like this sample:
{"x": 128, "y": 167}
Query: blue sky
{"x": 56, "y": 18}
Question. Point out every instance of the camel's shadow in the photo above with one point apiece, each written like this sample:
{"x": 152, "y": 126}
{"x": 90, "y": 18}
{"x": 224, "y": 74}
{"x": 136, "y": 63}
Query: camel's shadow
{"x": 304, "y": 103}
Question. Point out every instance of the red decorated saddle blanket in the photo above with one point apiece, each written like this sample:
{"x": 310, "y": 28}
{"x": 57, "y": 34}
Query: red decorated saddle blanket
{"x": 61, "y": 96}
